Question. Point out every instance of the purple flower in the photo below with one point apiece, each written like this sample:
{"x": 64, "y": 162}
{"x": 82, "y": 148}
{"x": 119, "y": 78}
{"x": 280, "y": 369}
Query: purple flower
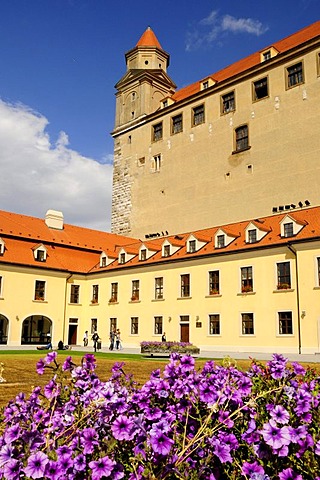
{"x": 36, "y": 465}
{"x": 274, "y": 436}
{"x": 123, "y": 428}
{"x": 101, "y": 468}
{"x": 53, "y": 470}
{"x": 279, "y": 414}
{"x": 289, "y": 474}
{"x": 12, "y": 433}
{"x": 160, "y": 443}
{"x": 317, "y": 448}
{"x": 50, "y": 357}
{"x": 40, "y": 366}
{"x": 79, "y": 462}
{"x": 67, "y": 364}
{"x": 250, "y": 468}
{"x": 89, "y": 439}
{"x": 11, "y": 470}
{"x": 6, "y": 454}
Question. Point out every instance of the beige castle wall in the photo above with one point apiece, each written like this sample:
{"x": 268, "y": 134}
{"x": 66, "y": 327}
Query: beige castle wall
{"x": 201, "y": 183}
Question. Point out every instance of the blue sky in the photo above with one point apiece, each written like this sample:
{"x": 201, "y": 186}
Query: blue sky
{"x": 60, "y": 60}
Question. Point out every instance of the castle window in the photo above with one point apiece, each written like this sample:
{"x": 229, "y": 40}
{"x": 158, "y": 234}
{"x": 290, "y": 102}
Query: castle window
{"x": 220, "y": 241}
{"x": 241, "y": 138}
{"x": 192, "y": 246}
{"x": 214, "y": 282}
{"x": 252, "y": 235}
{"x": 1, "y": 283}
{"x": 135, "y": 290}
{"x": 74, "y": 294}
{"x": 214, "y": 324}
{"x": 158, "y": 325}
{"x": 122, "y": 258}
{"x": 247, "y": 324}
{"x": 157, "y": 132}
{"x": 114, "y": 292}
{"x": 166, "y": 251}
{"x": 176, "y": 124}
{"x": 134, "y": 325}
{"x": 228, "y": 103}
{"x": 285, "y": 323}
{"x": 197, "y": 115}
{"x": 283, "y": 276}
{"x": 40, "y": 255}
{"x": 260, "y": 89}
{"x": 185, "y": 285}
{"x": 143, "y": 254}
{"x": 158, "y": 288}
{"x": 2, "y": 244}
{"x": 205, "y": 85}
{"x": 288, "y": 229}
{"x": 266, "y": 55}
{"x": 39, "y": 290}
{"x": 246, "y": 280}
{"x": 95, "y": 294}
{"x": 157, "y": 163}
{"x": 295, "y": 75}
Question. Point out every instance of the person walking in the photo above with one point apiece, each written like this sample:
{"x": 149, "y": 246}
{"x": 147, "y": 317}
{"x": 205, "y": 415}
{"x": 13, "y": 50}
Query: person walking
{"x": 118, "y": 340}
{"x": 112, "y": 339}
{"x": 85, "y": 338}
{"x": 95, "y": 338}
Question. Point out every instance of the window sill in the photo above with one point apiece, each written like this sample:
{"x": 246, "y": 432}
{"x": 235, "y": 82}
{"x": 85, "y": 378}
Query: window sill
{"x": 214, "y": 295}
{"x": 73, "y": 303}
{"x": 94, "y": 304}
{"x": 279, "y": 290}
{"x": 247, "y": 335}
{"x": 314, "y": 288}
{"x": 40, "y": 301}
{"x": 240, "y": 151}
{"x": 158, "y": 300}
{"x": 113, "y": 303}
{"x": 281, "y": 335}
{"x": 214, "y": 335}
{"x": 184, "y": 298}
{"x": 241, "y": 294}
{"x": 134, "y": 301}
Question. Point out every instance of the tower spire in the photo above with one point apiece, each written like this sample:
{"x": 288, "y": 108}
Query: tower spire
{"x": 148, "y": 39}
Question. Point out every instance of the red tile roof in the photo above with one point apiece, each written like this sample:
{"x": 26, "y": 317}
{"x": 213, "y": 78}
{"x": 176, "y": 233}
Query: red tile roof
{"x": 292, "y": 41}
{"x": 148, "y": 39}
{"x": 77, "y": 249}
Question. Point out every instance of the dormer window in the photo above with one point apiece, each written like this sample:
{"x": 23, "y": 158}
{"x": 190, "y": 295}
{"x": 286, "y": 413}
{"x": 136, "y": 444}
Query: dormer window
{"x": 192, "y": 246}
{"x": 122, "y": 258}
{"x": 288, "y": 229}
{"x": 103, "y": 261}
{"x": 205, "y": 85}
{"x": 166, "y": 251}
{"x": 2, "y": 245}
{"x": 221, "y": 241}
{"x": 252, "y": 235}
{"x": 266, "y": 55}
{"x": 143, "y": 254}
{"x": 40, "y": 253}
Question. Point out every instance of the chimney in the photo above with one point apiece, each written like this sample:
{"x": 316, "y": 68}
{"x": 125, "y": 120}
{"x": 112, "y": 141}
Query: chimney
{"x": 54, "y": 219}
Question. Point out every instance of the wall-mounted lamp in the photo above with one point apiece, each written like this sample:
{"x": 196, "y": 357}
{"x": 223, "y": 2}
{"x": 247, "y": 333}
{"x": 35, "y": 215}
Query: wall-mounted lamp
{"x": 17, "y": 318}
{"x": 303, "y": 313}
{"x": 169, "y": 318}
{"x": 197, "y": 318}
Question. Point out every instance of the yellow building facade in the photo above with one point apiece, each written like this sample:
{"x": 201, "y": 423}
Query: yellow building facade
{"x": 240, "y": 143}
{"x": 251, "y": 286}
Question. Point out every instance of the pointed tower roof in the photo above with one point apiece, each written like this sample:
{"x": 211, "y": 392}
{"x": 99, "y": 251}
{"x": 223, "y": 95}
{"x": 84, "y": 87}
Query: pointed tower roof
{"x": 148, "y": 39}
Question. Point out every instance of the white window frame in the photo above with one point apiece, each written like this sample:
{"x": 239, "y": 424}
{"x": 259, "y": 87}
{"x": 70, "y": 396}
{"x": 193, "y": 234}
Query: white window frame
{"x": 278, "y": 324}
{"x": 1, "y": 285}
{"x": 154, "y": 325}
{"x": 240, "y": 278}
{"x": 214, "y": 334}
{"x": 241, "y": 325}
{"x": 44, "y": 290}
{"x": 131, "y": 324}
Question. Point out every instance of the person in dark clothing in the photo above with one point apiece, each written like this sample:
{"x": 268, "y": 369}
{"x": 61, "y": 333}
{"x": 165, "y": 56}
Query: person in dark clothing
{"x": 112, "y": 339}
{"x": 164, "y": 338}
{"x": 95, "y": 338}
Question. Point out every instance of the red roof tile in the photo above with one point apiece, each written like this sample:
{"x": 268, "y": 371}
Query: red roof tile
{"x": 246, "y": 63}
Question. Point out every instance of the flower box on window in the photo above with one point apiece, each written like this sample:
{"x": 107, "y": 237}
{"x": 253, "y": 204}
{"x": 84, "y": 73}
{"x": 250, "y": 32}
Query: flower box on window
{"x": 283, "y": 286}
{"x": 134, "y": 298}
{"x": 40, "y": 299}
{"x": 246, "y": 289}
{"x": 112, "y": 300}
{"x": 94, "y": 300}
{"x": 214, "y": 291}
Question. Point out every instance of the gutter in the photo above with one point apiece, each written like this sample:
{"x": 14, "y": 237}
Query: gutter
{"x": 294, "y": 251}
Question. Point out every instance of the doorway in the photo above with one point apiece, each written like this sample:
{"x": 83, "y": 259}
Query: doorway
{"x": 184, "y": 332}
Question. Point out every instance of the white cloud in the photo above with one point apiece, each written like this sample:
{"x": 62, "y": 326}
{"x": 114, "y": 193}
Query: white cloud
{"x": 37, "y": 175}
{"x": 214, "y": 26}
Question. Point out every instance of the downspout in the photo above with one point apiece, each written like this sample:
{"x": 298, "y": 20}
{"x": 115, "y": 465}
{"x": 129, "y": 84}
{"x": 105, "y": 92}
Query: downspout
{"x": 294, "y": 251}
{"x": 65, "y": 306}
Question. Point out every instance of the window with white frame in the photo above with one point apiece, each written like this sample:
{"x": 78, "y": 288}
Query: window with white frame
{"x": 185, "y": 285}
{"x": 318, "y": 272}
{"x": 191, "y": 246}
{"x": 158, "y": 325}
{"x": 135, "y": 293}
{"x": 2, "y": 244}
{"x": 114, "y": 292}
{"x": 95, "y": 294}
{"x": 247, "y": 324}
{"x": 40, "y": 255}
{"x": 74, "y": 293}
{"x": 252, "y": 235}
{"x": 166, "y": 251}
{"x": 260, "y": 89}
{"x": 285, "y": 323}
{"x": 214, "y": 282}
{"x": 143, "y": 254}
{"x": 134, "y": 325}
{"x": 94, "y": 325}
{"x": 221, "y": 241}
{"x": 158, "y": 294}
{"x": 103, "y": 261}
{"x": 288, "y": 229}
{"x": 246, "y": 280}
{"x": 122, "y": 258}
{"x": 283, "y": 276}
{"x": 1, "y": 285}
{"x": 113, "y": 324}
{"x": 39, "y": 291}
{"x": 214, "y": 324}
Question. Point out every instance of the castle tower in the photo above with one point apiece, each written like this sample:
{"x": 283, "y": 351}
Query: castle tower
{"x": 139, "y": 94}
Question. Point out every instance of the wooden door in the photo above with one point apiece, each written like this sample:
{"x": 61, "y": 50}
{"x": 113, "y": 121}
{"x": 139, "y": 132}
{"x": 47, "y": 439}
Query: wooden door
{"x": 184, "y": 332}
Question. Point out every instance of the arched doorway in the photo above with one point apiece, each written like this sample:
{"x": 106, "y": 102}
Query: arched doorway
{"x": 36, "y": 329}
{"x": 4, "y": 325}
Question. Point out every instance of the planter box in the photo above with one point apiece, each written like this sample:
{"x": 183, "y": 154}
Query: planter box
{"x": 166, "y": 348}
